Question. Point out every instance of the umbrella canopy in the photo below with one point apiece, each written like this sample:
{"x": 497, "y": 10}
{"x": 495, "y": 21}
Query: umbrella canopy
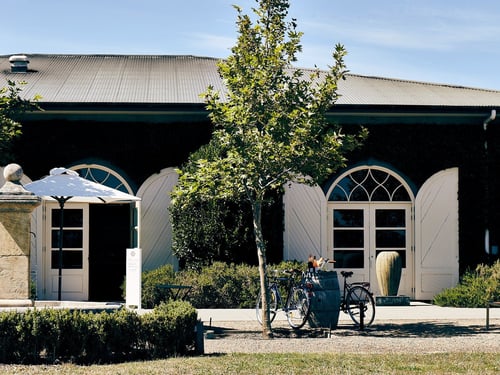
{"x": 62, "y": 182}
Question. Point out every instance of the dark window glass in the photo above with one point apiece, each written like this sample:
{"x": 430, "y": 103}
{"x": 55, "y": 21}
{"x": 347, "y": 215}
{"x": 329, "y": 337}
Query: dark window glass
{"x": 359, "y": 194}
{"x": 73, "y": 217}
{"x": 348, "y": 218}
{"x": 338, "y": 195}
{"x": 401, "y": 195}
{"x": 390, "y": 238}
{"x": 348, "y": 238}
{"x": 349, "y": 258}
{"x": 380, "y": 194}
{"x": 70, "y": 259}
{"x": 72, "y": 238}
{"x": 390, "y": 219}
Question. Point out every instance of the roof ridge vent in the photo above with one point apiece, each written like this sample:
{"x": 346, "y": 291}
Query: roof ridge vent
{"x": 18, "y": 63}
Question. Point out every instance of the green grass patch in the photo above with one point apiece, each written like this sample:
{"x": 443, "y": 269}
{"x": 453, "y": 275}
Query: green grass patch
{"x": 287, "y": 363}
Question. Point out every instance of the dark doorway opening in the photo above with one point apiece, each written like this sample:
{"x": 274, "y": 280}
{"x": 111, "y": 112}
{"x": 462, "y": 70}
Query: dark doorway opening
{"x": 109, "y": 237}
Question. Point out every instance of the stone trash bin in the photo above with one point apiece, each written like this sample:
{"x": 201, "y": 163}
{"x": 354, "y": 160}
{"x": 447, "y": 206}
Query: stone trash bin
{"x": 325, "y": 300}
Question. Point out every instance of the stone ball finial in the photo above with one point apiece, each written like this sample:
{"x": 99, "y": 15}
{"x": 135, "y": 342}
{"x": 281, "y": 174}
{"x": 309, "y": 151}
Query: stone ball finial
{"x": 13, "y": 172}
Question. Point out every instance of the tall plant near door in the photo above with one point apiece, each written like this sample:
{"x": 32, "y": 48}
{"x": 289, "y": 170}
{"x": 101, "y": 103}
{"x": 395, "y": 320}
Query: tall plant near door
{"x": 270, "y": 125}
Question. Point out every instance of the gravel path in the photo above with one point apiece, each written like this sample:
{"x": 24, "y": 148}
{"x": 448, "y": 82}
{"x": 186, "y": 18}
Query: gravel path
{"x": 382, "y": 337}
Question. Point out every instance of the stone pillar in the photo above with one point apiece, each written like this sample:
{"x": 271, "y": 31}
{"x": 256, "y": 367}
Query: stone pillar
{"x": 16, "y": 205}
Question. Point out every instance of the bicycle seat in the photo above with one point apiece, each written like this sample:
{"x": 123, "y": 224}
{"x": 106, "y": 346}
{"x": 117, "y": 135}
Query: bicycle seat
{"x": 346, "y": 274}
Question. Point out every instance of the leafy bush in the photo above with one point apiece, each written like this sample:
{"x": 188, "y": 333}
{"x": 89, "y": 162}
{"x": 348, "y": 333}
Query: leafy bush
{"x": 170, "y": 328}
{"x": 219, "y": 285}
{"x": 152, "y": 295}
{"x": 476, "y": 288}
{"x": 47, "y": 335}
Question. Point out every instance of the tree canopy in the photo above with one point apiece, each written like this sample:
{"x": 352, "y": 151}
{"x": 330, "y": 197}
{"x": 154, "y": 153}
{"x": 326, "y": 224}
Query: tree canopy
{"x": 269, "y": 125}
{"x": 11, "y": 105}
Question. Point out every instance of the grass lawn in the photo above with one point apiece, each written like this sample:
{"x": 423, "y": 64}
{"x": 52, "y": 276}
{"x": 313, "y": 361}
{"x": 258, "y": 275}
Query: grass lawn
{"x": 286, "y": 363}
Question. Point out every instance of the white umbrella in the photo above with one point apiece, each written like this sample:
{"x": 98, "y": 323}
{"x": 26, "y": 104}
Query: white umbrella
{"x": 64, "y": 184}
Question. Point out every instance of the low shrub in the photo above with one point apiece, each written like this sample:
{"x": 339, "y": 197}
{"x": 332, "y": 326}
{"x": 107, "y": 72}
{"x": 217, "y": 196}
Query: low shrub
{"x": 476, "y": 288}
{"x": 169, "y": 328}
{"x": 47, "y": 335}
{"x": 219, "y": 285}
{"x": 152, "y": 295}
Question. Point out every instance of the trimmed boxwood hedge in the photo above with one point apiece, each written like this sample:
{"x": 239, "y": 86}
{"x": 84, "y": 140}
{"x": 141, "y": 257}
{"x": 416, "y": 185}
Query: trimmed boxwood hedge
{"x": 50, "y": 335}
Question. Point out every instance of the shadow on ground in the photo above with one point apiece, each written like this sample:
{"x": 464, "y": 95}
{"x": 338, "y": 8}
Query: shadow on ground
{"x": 428, "y": 329}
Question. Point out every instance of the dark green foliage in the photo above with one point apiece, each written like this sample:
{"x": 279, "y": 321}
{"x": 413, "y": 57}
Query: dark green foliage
{"x": 219, "y": 285}
{"x": 9, "y": 339}
{"x": 11, "y": 105}
{"x": 207, "y": 229}
{"x": 476, "y": 289}
{"x": 47, "y": 335}
{"x": 170, "y": 329}
{"x": 152, "y": 295}
{"x": 222, "y": 286}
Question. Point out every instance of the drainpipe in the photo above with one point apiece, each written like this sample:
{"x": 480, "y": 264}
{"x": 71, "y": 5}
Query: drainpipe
{"x": 492, "y": 116}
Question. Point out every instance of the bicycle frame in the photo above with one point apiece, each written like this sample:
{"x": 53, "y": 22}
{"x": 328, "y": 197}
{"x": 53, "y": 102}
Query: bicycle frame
{"x": 357, "y": 301}
{"x": 297, "y": 304}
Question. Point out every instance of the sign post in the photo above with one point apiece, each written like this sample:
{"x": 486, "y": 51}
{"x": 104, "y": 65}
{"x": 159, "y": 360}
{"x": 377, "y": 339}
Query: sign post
{"x": 133, "y": 279}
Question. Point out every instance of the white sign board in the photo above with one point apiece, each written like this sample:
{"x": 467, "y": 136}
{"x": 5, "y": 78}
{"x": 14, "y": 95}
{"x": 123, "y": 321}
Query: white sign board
{"x": 133, "y": 278}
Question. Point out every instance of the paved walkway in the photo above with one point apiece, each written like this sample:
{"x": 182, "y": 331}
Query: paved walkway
{"x": 417, "y": 311}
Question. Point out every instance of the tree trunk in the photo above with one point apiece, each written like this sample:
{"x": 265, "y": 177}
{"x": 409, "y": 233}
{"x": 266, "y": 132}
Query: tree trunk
{"x": 267, "y": 332}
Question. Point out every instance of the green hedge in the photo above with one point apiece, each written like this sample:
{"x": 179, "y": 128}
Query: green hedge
{"x": 47, "y": 335}
{"x": 220, "y": 285}
{"x": 476, "y": 288}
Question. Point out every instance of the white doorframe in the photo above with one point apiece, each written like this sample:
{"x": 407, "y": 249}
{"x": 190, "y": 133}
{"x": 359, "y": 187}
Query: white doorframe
{"x": 362, "y": 231}
{"x": 75, "y": 276}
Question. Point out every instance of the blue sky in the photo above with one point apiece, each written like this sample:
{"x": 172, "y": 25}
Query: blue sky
{"x": 443, "y": 41}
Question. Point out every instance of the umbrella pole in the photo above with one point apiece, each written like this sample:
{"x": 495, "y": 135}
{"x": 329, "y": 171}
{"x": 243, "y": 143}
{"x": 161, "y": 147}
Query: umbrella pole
{"x": 61, "y": 201}
{"x": 61, "y": 231}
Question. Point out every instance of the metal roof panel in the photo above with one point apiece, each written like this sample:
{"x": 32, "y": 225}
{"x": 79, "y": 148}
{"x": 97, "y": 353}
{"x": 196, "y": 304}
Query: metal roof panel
{"x": 159, "y": 79}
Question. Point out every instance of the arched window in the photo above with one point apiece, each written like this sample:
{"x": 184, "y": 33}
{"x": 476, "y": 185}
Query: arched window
{"x": 103, "y": 175}
{"x": 369, "y": 184}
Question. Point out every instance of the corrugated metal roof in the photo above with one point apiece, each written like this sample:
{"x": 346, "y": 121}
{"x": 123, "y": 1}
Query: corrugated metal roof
{"x": 116, "y": 79}
{"x": 159, "y": 79}
{"x": 384, "y": 91}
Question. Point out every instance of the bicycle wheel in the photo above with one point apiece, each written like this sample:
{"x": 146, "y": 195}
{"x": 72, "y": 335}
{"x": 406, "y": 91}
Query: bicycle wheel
{"x": 357, "y": 297}
{"x": 273, "y": 305}
{"x": 298, "y": 307}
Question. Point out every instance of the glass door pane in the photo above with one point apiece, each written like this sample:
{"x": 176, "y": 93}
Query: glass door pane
{"x": 72, "y": 238}
{"x": 390, "y": 231}
{"x": 349, "y": 238}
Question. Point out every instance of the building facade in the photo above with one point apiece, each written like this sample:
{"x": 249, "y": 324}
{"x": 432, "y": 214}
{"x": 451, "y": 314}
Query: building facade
{"x": 423, "y": 184}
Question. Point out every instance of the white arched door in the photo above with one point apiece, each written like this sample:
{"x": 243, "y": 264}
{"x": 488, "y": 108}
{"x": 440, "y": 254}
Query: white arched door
{"x": 370, "y": 211}
{"x": 156, "y": 228}
{"x": 436, "y": 238}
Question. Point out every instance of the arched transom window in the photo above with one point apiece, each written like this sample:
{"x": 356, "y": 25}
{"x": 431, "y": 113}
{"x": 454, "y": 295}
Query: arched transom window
{"x": 103, "y": 175}
{"x": 369, "y": 184}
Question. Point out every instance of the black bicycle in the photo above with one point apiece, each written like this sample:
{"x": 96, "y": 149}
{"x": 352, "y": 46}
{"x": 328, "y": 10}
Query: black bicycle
{"x": 297, "y": 305}
{"x": 357, "y": 301}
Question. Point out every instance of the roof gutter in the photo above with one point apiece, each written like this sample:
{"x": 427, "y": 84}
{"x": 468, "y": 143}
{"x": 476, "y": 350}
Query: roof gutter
{"x": 492, "y": 116}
